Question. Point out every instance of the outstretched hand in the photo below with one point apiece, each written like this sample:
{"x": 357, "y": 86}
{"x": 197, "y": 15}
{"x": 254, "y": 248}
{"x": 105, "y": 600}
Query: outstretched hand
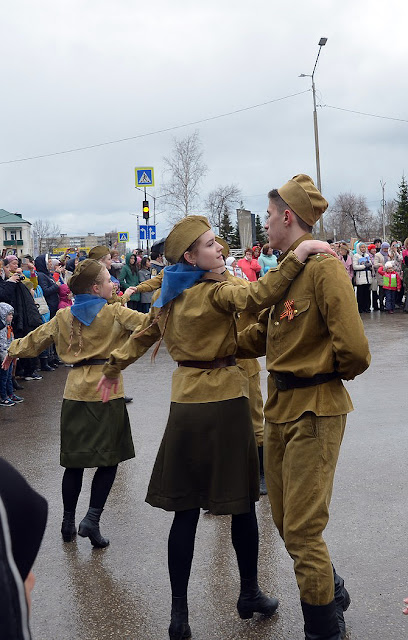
{"x": 7, "y": 362}
{"x": 405, "y": 611}
{"x": 131, "y": 290}
{"x": 105, "y": 386}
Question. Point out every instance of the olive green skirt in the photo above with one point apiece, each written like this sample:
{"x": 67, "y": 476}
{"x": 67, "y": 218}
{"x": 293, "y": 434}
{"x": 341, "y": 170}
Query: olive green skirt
{"x": 208, "y": 458}
{"x": 95, "y": 434}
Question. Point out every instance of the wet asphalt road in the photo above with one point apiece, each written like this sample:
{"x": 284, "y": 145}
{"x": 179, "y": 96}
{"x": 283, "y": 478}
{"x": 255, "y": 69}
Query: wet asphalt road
{"x": 122, "y": 592}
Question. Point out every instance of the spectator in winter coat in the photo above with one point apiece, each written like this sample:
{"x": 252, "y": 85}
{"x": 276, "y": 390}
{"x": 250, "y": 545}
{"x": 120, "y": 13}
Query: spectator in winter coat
{"x": 129, "y": 277}
{"x": 48, "y": 285}
{"x": 379, "y": 261}
{"x": 65, "y": 296}
{"x": 156, "y": 261}
{"x": 345, "y": 257}
{"x": 392, "y": 284}
{"x": 7, "y": 395}
{"x": 267, "y": 259}
{"x": 250, "y": 266}
{"x": 145, "y": 274}
{"x": 363, "y": 271}
{"x": 372, "y": 252}
{"x": 405, "y": 281}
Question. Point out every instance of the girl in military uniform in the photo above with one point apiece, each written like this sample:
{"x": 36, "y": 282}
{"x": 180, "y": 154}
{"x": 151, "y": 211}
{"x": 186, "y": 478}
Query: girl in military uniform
{"x": 208, "y": 456}
{"x": 93, "y": 434}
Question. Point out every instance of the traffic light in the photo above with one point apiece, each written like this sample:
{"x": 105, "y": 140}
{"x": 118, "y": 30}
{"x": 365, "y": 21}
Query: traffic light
{"x": 146, "y": 210}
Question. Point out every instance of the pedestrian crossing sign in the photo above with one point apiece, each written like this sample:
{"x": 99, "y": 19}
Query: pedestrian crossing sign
{"x": 123, "y": 236}
{"x": 144, "y": 176}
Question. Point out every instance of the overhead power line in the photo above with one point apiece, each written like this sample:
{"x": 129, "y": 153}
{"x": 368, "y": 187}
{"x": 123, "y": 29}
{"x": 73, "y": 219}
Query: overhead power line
{"x": 153, "y": 133}
{"x": 363, "y": 113}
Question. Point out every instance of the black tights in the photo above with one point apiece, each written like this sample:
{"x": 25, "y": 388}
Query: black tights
{"x": 101, "y": 485}
{"x": 244, "y": 535}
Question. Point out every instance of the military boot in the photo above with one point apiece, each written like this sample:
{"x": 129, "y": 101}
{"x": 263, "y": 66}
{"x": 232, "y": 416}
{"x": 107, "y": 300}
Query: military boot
{"x": 342, "y": 599}
{"x": 321, "y": 621}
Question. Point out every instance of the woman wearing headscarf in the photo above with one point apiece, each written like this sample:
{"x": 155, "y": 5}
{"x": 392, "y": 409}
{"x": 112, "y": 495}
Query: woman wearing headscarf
{"x": 208, "y": 456}
{"x": 23, "y": 516}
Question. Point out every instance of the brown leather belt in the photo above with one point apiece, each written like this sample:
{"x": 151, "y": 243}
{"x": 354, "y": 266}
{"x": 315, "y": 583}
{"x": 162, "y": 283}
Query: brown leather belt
{"x": 285, "y": 381}
{"x": 217, "y": 363}
{"x": 84, "y": 363}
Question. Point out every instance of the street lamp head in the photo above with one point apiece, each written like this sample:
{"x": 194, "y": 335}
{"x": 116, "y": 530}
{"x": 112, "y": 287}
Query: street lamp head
{"x": 302, "y": 75}
{"x": 322, "y": 42}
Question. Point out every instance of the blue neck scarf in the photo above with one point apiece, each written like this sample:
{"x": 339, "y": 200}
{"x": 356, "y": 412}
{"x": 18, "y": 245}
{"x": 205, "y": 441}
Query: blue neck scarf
{"x": 86, "y": 307}
{"x": 176, "y": 279}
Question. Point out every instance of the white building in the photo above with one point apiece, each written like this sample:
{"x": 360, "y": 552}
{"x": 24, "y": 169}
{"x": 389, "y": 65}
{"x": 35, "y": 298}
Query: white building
{"x": 16, "y": 236}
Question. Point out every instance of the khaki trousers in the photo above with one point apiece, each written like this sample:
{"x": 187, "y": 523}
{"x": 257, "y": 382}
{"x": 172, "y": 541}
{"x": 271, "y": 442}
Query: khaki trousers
{"x": 300, "y": 460}
{"x": 256, "y": 406}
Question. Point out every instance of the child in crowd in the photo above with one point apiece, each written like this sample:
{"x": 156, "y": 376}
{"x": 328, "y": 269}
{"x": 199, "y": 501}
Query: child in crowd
{"x": 65, "y": 297}
{"x": 392, "y": 284}
{"x": 7, "y": 395}
{"x": 405, "y": 280}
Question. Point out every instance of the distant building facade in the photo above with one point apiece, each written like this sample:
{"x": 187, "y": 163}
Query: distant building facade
{"x": 16, "y": 234}
{"x": 64, "y": 243}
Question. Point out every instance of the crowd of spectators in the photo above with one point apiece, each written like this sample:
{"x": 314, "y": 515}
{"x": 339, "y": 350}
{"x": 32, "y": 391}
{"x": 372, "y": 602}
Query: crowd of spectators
{"x": 33, "y": 290}
{"x": 377, "y": 270}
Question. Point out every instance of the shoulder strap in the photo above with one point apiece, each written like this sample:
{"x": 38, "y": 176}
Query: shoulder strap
{"x": 216, "y": 277}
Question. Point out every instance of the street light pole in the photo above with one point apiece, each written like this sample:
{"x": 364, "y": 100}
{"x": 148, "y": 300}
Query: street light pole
{"x": 322, "y": 42}
{"x": 382, "y": 183}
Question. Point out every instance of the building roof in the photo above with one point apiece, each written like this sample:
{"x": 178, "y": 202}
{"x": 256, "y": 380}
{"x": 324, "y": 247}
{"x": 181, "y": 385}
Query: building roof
{"x": 11, "y": 218}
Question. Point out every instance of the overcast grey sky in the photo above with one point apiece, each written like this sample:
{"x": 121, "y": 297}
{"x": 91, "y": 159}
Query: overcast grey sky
{"x": 78, "y": 73}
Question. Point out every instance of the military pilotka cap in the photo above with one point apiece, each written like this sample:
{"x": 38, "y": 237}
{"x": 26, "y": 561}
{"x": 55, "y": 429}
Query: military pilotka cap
{"x": 225, "y": 246}
{"x": 85, "y": 275}
{"x": 182, "y": 236}
{"x": 96, "y": 253}
{"x": 304, "y": 198}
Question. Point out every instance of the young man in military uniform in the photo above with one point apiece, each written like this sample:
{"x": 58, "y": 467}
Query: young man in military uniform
{"x": 313, "y": 338}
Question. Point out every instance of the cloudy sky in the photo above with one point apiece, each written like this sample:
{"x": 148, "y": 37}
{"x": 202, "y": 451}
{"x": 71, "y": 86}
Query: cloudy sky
{"x": 76, "y": 73}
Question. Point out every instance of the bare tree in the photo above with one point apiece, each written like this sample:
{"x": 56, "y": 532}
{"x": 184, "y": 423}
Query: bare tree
{"x": 220, "y": 201}
{"x": 350, "y": 216}
{"x": 48, "y": 234}
{"x": 185, "y": 169}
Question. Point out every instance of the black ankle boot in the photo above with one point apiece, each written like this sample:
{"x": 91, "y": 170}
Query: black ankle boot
{"x": 262, "y": 484}
{"x": 68, "y": 529}
{"x": 321, "y": 621}
{"x": 89, "y": 528}
{"x": 179, "y": 628}
{"x": 252, "y": 600}
{"x": 342, "y": 599}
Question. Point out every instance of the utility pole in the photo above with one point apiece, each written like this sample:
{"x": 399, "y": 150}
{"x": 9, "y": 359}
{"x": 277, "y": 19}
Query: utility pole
{"x": 383, "y": 203}
{"x": 322, "y": 42}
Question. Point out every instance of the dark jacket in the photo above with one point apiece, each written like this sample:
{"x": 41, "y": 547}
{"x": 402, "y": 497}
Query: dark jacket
{"x": 23, "y": 516}
{"x": 26, "y": 315}
{"x": 48, "y": 284}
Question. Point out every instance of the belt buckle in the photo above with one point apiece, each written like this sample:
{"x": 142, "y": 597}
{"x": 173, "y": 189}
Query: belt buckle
{"x": 280, "y": 382}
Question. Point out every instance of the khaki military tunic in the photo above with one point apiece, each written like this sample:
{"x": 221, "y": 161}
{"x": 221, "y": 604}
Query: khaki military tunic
{"x": 314, "y": 329}
{"x": 200, "y": 325}
{"x": 326, "y": 334}
{"x": 111, "y": 327}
